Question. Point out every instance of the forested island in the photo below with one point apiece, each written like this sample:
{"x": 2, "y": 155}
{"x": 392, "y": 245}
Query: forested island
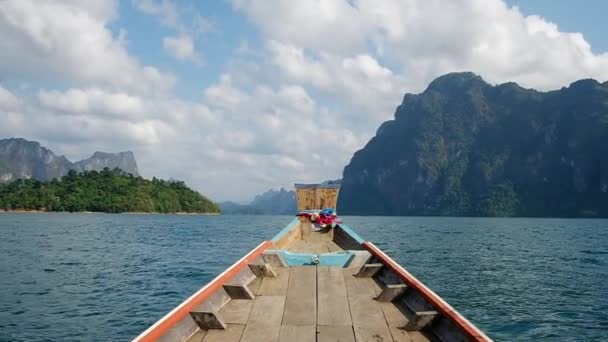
{"x": 109, "y": 191}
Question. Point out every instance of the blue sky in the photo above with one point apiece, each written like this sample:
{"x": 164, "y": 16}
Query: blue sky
{"x": 239, "y": 96}
{"x": 587, "y": 17}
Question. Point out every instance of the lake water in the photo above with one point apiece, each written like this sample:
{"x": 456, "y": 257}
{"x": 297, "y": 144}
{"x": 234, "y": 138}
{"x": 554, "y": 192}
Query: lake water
{"x": 99, "y": 277}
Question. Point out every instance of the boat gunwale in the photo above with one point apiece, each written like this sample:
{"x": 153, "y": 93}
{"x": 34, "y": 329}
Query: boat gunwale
{"x": 285, "y": 230}
{"x": 439, "y": 303}
{"x": 182, "y": 311}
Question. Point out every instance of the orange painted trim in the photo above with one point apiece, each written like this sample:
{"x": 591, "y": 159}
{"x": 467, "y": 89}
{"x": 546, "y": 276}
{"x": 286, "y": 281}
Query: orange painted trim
{"x": 163, "y": 325}
{"x": 440, "y": 305}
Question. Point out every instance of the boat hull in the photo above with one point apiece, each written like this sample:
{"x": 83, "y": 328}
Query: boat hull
{"x": 342, "y": 266}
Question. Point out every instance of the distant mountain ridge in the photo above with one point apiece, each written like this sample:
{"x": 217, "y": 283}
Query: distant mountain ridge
{"x": 24, "y": 159}
{"x": 465, "y": 147}
{"x": 271, "y": 202}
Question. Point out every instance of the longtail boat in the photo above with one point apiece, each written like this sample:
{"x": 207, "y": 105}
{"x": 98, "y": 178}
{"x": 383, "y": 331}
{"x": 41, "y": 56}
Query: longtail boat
{"x": 309, "y": 284}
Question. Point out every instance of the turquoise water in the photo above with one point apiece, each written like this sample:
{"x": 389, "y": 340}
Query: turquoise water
{"x": 98, "y": 277}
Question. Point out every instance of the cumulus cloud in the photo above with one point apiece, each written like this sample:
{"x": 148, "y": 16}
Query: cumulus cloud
{"x": 8, "y": 100}
{"x": 181, "y": 47}
{"x": 424, "y": 39}
{"x": 69, "y": 41}
{"x": 93, "y": 100}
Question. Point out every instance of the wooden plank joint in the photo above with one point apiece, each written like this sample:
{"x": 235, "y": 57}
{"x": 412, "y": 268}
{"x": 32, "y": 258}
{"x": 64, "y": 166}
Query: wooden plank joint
{"x": 390, "y": 292}
{"x": 262, "y": 269}
{"x": 274, "y": 259}
{"x": 239, "y": 291}
{"x": 208, "y": 318}
{"x": 368, "y": 270}
{"x": 417, "y": 320}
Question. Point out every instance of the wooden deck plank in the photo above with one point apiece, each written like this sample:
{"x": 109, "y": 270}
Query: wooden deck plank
{"x": 301, "y": 302}
{"x": 333, "y": 247}
{"x": 393, "y": 315}
{"x": 265, "y": 319}
{"x": 320, "y": 248}
{"x": 298, "y": 247}
{"x": 332, "y": 297}
{"x": 369, "y": 323}
{"x": 275, "y": 286}
{"x": 337, "y": 333}
{"x": 198, "y": 336}
{"x": 298, "y": 333}
{"x": 254, "y": 286}
{"x": 417, "y": 336}
{"x": 232, "y": 333}
{"x": 236, "y": 311}
{"x": 366, "y": 312}
{"x": 360, "y": 286}
{"x": 400, "y": 335}
{"x": 376, "y": 334}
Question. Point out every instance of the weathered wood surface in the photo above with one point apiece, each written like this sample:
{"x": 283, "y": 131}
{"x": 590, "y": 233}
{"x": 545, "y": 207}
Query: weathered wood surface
{"x": 369, "y": 322}
{"x": 333, "y": 247}
{"x": 336, "y": 333}
{"x": 298, "y": 333}
{"x": 236, "y": 311}
{"x": 198, "y": 336}
{"x": 417, "y": 336}
{"x": 311, "y": 199}
{"x": 400, "y": 335}
{"x": 276, "y": 286}
{"x": 262, "y": 269}
{"x": 390, "y": 292}
{"x": 254, "y": 286}
{"x": 265, "y": 319}
{"x": 314, "y": 303}
{"x": 208, "y": 318}
{"x": 239, "y": 291}
{"x": 273, "y": 259}
{"x": 332, "y": 297}
{"x": 232, "y": 333}
{"x": 301, "y": 303}
{"x": 291, "y": 237}
{"x": 368, "y": 270}
{"x": 394, "y": 316}
{"x": 315, "y": 242}
{"x": 376, "y": 334}
{"x": 360, "y": 286}
{"x": 237, "y": 287}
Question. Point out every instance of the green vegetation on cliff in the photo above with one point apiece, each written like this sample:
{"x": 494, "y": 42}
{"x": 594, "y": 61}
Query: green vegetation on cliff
{"x": 466, "y": 148}
{"x": 110, "y": 191}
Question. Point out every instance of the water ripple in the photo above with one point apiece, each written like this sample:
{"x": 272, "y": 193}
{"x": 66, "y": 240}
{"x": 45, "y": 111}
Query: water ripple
{"x": 97, "y": 277}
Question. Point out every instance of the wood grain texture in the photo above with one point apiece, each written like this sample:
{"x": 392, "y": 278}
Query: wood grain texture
{"x": 298, "y": 333}
{"x": 265, "y": 319}
{"x": 276, "y": 286}
{"x": 301, "y": 302}
{"x": 236, "y": 311}
{"x": 369, "y": 322}
{"x": 232, "y": 333}
{"x": 338, "y": 333}
{"x": 332, "y": 297}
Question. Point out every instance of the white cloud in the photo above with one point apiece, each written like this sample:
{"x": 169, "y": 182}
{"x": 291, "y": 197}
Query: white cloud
{"x": 93, "y": 100}
{"x": 424, "y": 39}
{"x": 181, "y": 47}
{"x": 50, "y": 40}
{"x": 332, "y": 26}
{"x": 8, "y": 100}
{"x": 187, "y": 27}
{"x": 165, "y": 10}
